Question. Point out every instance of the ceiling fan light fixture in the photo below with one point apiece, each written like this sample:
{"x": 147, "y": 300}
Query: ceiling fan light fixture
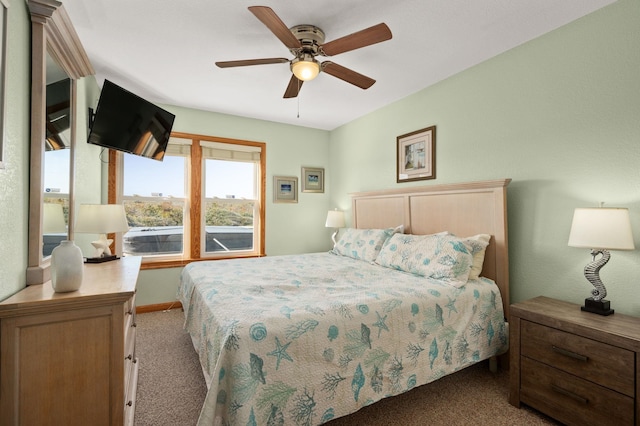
{"x": 306, "y": 68}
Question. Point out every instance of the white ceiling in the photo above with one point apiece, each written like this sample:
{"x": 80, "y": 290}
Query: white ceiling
{"x": 164, "y": 50}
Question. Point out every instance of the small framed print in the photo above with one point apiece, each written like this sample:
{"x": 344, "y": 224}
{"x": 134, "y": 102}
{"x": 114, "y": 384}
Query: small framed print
{"x": 312, "y": 179}
{"x": 416, "y": 155}
{"x": 285, "y": 189}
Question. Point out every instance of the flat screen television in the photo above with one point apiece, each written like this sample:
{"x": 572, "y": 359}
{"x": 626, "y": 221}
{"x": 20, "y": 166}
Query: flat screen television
{"x": 125, "y": 122}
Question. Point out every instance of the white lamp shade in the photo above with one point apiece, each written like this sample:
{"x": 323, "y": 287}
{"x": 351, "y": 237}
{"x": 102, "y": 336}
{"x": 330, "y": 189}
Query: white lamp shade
{"x": 335, "y": 219}
{"x": 101, "y": 219}
{"x": 601, "y": 228}
{"x": 53, "y": 219}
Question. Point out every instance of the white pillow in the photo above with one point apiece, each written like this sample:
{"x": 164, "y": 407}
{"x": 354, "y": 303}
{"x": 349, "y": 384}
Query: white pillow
{"x": 479, "y": 245}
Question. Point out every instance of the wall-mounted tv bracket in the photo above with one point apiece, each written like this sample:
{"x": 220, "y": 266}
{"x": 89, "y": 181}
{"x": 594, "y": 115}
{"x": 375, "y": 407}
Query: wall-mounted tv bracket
{"x": 90, "y": 117}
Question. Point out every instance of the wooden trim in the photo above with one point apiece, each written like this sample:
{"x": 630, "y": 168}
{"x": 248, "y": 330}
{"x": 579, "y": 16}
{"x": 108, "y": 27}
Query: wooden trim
{"x": 112, "y": 178}
{"x": 195, "y": 199}
{"x": 38, "y": 271}
{"x": 263, "y": 199}
{"x": 158, "y": 307}
{"x": 448, "y": 187}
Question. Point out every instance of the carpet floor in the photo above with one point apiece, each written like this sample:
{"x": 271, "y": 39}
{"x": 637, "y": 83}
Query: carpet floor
{"x": 171, "y": 388}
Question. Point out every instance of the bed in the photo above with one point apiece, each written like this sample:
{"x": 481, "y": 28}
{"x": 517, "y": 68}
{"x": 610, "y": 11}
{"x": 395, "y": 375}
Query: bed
{"x": 303, "y": 339}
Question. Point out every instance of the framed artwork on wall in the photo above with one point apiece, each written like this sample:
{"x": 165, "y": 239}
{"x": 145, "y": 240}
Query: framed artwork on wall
{"x": 4, "y": 5}
{"x": 285, "y": 189}
{"x": 312, "y": 179}
{"x": 416, "y": 155}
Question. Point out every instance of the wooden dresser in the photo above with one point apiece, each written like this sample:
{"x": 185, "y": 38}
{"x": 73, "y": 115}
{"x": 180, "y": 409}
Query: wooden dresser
{"x": 577, "y": 367}
{"x": 69, "y": 358}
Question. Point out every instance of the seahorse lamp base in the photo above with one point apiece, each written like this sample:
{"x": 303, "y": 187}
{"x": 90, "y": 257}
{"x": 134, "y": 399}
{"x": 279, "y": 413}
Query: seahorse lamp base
{"x": 600, "y": 307}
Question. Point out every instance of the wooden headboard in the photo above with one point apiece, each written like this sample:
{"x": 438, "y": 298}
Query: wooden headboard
{"x": 464, "y": 209}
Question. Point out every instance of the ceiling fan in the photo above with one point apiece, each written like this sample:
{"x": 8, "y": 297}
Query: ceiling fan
{"x": 306, "y": 42}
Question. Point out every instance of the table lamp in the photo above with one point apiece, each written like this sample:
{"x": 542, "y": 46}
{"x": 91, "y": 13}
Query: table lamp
{"x": 101, "y": 219}
{"x": 600, "y": 229}
{"x": 335, "y": 219}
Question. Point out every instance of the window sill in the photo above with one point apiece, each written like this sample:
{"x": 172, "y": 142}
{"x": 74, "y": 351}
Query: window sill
{"x": 176, "y": 263}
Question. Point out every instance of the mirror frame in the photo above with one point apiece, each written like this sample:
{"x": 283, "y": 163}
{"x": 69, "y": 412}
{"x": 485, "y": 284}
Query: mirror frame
{"x": 52, "y": 32}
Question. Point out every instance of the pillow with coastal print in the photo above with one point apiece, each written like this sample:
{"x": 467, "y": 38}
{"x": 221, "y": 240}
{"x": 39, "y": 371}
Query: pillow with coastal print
{"x": 441, "y": 256}
{"x": 362, "y": 244}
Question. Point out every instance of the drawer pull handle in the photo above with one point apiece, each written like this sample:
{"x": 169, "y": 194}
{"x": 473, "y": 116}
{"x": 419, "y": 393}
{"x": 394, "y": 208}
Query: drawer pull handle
{"x": 130, "y": 403}
{"x": 570, "y": 354}
{"x": 571, "y": 395}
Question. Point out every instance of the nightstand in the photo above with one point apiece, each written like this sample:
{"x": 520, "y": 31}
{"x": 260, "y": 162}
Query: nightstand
{"x": 575, "y": 366}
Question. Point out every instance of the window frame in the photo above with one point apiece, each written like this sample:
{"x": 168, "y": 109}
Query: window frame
{"x": 194, "y": 223}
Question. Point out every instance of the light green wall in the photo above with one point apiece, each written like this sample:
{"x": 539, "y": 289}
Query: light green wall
{"x": 559, "y": 115}
{"x": 14, "y": 178}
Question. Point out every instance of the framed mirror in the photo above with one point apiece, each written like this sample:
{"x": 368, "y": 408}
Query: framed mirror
{"x": 57, "y": 56}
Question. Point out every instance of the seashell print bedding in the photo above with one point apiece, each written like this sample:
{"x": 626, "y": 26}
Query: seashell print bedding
{"x": 303, "y": 339}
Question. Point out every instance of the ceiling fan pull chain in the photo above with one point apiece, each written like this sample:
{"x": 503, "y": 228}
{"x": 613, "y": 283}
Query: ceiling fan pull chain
{"x": 298, "y": 99}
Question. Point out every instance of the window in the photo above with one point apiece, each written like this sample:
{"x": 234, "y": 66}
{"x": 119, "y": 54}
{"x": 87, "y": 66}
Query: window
{"x": 203, "y": 201}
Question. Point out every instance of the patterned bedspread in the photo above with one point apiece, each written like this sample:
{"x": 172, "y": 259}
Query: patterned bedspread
{"x": 303, "y": 339}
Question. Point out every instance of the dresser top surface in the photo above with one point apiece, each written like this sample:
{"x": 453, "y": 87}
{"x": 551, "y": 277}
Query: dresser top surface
{"x": 101, "y": 282}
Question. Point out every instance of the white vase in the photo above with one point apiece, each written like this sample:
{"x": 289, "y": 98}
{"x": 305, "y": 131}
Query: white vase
{"x": 67, "y": 265}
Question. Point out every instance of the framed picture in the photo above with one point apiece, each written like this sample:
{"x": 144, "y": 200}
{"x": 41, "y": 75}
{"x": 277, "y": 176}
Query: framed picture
{"x": 416, "y": 155}
{"x": 4, "y": 5}
{"x": 312, "y": 179}
{"x": 285, "y": 189}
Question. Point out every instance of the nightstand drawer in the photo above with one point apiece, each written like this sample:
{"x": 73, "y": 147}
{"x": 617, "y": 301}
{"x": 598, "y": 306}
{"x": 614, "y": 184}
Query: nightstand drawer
{"x": 589, "y": 359}
{"x": 571, "y": 399}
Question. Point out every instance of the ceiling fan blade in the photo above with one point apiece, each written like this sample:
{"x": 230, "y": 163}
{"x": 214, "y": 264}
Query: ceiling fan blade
{"x": 350, "y": 76}
{"x": 247, "y": 62}
{"x": 293, "y": 88}
{"x": 362, "y": 38}
{"x": 275, "y": 24}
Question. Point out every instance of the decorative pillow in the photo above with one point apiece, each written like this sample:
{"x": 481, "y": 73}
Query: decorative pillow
{"x": 441, "y": 256}
{"x": 363, "y": 244}
{"x": 479, "y": 245}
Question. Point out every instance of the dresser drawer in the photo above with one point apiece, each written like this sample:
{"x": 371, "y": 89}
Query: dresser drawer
{"x": 603, "y": 364}
{"x": 572, "y": 400}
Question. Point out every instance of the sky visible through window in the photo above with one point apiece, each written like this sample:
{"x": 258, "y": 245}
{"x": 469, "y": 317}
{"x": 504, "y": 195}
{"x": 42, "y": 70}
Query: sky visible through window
{"x": 56, "y": 170}
{"x": 145, "y": 177}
